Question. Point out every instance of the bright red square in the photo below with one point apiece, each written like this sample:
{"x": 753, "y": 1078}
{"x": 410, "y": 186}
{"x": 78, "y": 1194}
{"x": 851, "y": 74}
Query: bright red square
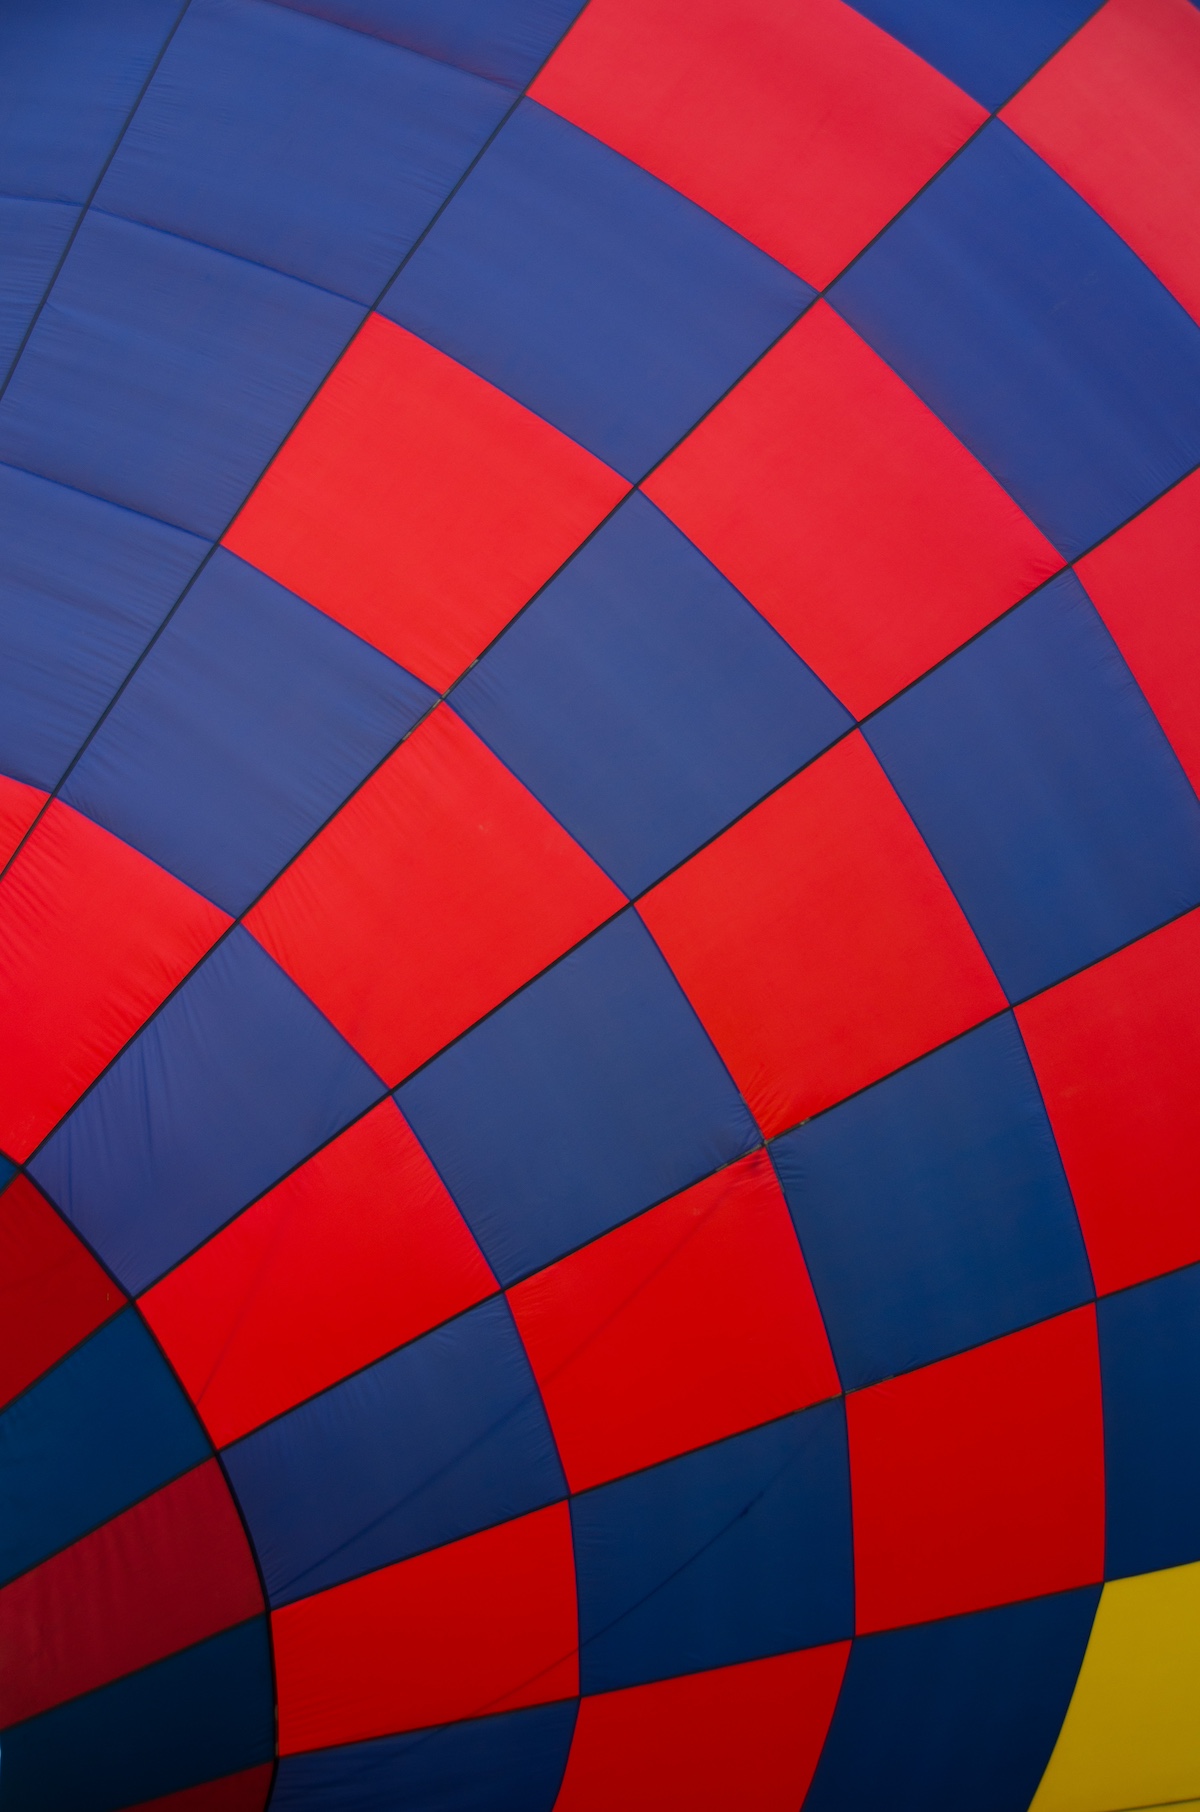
{"x": 980, "y": 1480}
{"x": 95, "y": 935}
{"x": 52, "y": 1291}
{"x": 1117, "y": 1053}
{"x": 849, "y": 515}
{"x": 1115, "y": 114}
{"x": 354, "y": 1253}
{"x": 1145, "y": 582}
{"x": 440, "y": 887}
{"x": 685, "y": 1325}
{"x": 483, "y": 1625}
{"x": 739, "y": 1736}
{"x": 418, "y": 505}
{"x": 805, "y": 128}
{"x": 818, "y": 941}
{"x": 19, "y": 806}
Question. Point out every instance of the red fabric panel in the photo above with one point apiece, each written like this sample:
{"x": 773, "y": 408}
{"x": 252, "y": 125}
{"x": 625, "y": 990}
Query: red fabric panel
{"x": 19, "y": 806}
{"x": 689, "y": 1323}
{"x": 418, "y": 505}
{"x": 849, "y": 515}
{"x": 803, "y": 127}
{"x": 818, "y": 941}
{"x": 356, "y": 1252}
{"x": 438, "y": 889}
{"x": 94, "y": 937}
{"x": 52, "y": 1291}
{"x": 1115, "y": 113}
{"x": 980, "y": 1480}
{"x": 1117, "y": 1054}
{"x": 486, "y": 1624}
{"x": 169, "y": 1572}
{"x": 1145, "y": 582}
{"x": 236, "y": 1793}
{"x": 745, "y": 1736}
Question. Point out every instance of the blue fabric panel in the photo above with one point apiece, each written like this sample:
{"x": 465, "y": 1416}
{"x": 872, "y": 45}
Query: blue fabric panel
{"x": 933, "y": 1210}
{"x": 1037, "y": 336}
{"x": 958, "y": 1714}
{"x": 202, "y": 1714}
{"x": 163, "y": 375}
{"x": 1150, "y": 1367}
{"x": 250, "y": 721}
{"x": 513, "y": 1763}
{"x": 1049, "y": 795}
{"x": 7, "y": 1171}
{"x": 591, "y": 292}
{"x": 442, "y": 1438}
{"x": 32, "y": 237}
{"x": 736, "y": 1551}
{"x": 69, "y": 74}
{"x": 644, "y": 701}
{"x": 587, "y": 1097}
{"x": 334, "y": 149}
{"x": 505, "y": 40}
{"x": 83, "y": 586}
{"x": 233, "y": 1082}
{"x": 987, "y": 49}
{"x": 104, "y": 1428}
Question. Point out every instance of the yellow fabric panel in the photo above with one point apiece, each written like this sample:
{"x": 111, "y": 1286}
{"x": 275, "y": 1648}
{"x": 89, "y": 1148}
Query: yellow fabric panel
{"x": 1131, "y": 1737}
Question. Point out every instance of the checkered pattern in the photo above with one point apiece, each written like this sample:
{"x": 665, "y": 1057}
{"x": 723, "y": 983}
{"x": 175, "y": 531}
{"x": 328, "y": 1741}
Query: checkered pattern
{"x": 600, "y": 1000}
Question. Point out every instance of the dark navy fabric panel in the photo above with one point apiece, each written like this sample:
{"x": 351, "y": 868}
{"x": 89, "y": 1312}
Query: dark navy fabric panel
{"x": 32, "y": 237}
{"x": 442, "y": 1438}
{"x": 1037, "y": 336}
{"x": 591, "y": 292}
{"x": 1049, "y": 795}
{"x": 69, "y": 74}
{"x": 590, "y": 1095}
{"x": 251, "y": 720}
{"x": 83, "y": 586}
{"x": 235, "y": 1081}
{"x": 736, "y": 1551}
{"x": 958, "y": 1714}
{"x": 200, "y": 1715}
{"x": 104, "y": 1428}
{"x": 643, "y": 701}
{"x": 163, "y": 375}
{"x": 512, "y": 1763}
{"x": 933, "y": 1210}
{"x": 505, "y": 40}
{"x": 7, "y": 1171}
{"x": 334, "y": 149}
{"x": 1150, "y": 1367}
{"x": 988, "y": 49}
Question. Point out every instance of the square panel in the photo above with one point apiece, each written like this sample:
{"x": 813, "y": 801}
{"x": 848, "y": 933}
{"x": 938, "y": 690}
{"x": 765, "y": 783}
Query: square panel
{"x": 803, "y": 128}
{"x": 1040, "y": 339}
{"x": 438, "y": 890}
{"x": 601, "y": 299}
{"x": 818, "y": 942}
{"x": 643, "y": 701}
{"x": 848, "y": 514}
{"x": 587, "y": 1097}
{"x": 980, "y": 1479}
{"x": 932, "y": 1209}
{"x": 1117, "y": 1055}
{"x": 692, "y": 1322}
{"x": 989, "y": 50}
{"x": 420, "y": 506}
{"x": 52, "y": 1291}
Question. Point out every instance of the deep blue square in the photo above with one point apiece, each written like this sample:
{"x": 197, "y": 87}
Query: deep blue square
{"x": 989, "y": 49}
{"x": 234, "y": 1081}
{"x": 250, "y": 721}
{"x": 505, "y": 40}
{"x": 442, "y": 1438}
{"x": 590, "y": 1095}
{"x": 933, "y": 1210}
{"x": 735, "y": 1551}
{"x": 279, "y": 137}
{"x": 643, "y": 701}
{"x": 591, "y": 292}
{"x": 1037, "y": 336}
{"x": 1150, "y": 1367}
{"x": 163, "y": 375}
{"x": 1049, "y": 795}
